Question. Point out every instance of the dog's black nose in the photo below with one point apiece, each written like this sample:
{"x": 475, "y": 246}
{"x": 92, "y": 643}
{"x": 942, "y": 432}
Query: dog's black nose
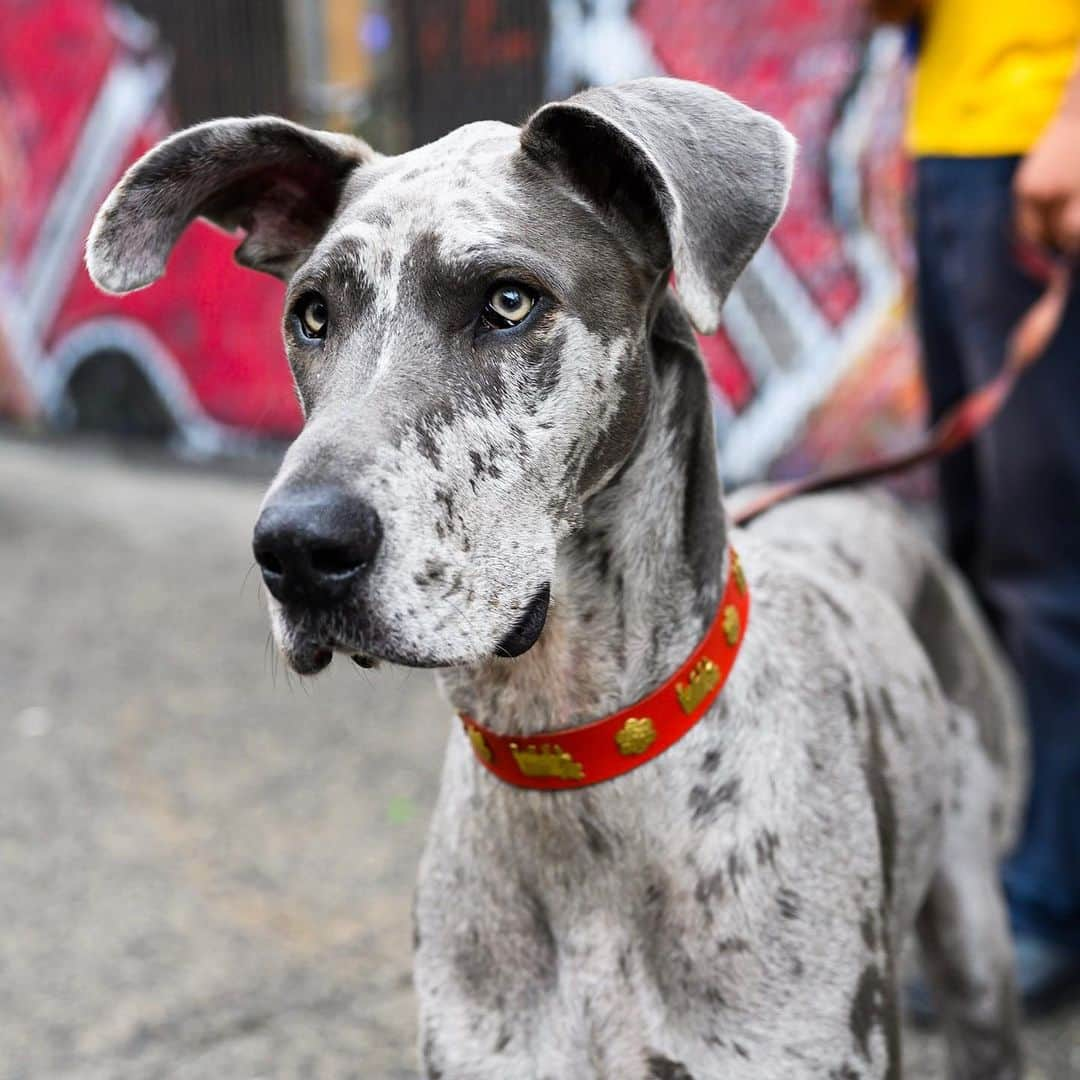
{"x": 313, "y": 543}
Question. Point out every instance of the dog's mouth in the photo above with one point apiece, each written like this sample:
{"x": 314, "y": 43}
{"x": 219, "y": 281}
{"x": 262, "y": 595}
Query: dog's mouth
{"x": 310, "y": 648}
{"x": 527, "y": 629}
{"x": 309, "y": 656}
{"x": 311, "y": 653}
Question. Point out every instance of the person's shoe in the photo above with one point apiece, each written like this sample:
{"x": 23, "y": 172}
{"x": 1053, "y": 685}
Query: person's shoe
{"x": 1047, "y": 976}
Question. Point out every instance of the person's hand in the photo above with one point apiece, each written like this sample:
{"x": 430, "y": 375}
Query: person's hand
{"x": 895, "y": 11}
{"x": 1047, "y": 188}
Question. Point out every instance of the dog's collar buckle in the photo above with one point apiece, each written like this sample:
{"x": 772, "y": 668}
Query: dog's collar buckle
{"x": 603, "y": 749}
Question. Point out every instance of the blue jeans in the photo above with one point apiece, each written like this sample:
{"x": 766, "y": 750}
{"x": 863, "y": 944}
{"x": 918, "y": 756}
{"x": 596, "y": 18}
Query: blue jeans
{"x": 1012, "y": 502}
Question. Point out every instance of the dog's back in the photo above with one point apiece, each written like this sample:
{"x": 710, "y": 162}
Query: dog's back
{"x": 871, "y": 538}
{"x": 961, "y": 921}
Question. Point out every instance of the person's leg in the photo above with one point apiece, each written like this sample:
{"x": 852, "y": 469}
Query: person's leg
{"x": 937, "y": 252}
{"x": 1025, "y": 563}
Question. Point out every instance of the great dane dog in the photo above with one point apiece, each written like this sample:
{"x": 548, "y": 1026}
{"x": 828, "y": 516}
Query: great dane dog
{"x": 507, "y": 472}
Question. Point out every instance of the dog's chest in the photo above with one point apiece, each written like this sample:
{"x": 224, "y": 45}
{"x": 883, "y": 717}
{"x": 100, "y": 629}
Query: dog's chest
{"x": 643, "y": 919}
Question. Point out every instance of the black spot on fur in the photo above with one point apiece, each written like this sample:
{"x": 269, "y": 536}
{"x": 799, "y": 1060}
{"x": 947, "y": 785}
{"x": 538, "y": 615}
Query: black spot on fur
{"x": 445, "y": 498}
{"x": 545, "y": 368}
{"x": 853, "y": 564}
{"x": 844, "y": 1072}
{"x": 710, "y": 887}
{"x": 543, "y": 934}
{"x": 787, "y": 900}
{"x": 620, "y": 623}
{"x": 433, "y": 1068}
{"x": 474, "y": 963}
{"x": 426, "y": 444}
{"x": 654, "y": 895}
{"x": 482, "y": 467}
{"x": 867, "y": 1008}
{"x": 710, "y": 761}
{"x": 602, "y": 557}
{"x": 704, "y": 803}
{"x": 433, "y": 571}
{"x": 595, "y": 839}
{"x": 884, "y": 809}
{"x": 519, "y": 441}
{"x": 733, "y": 945}
{"x": 765, "y": 847}
{"x": 869, "y": 933}
{"x": 851, "y": 706}
{"x": 891, "y": 716}
{"x": 662, "y": 1068}
{"x": 736, "y": 869}
{"x": 842, "y": 614}
{"x": 656, "y": 641}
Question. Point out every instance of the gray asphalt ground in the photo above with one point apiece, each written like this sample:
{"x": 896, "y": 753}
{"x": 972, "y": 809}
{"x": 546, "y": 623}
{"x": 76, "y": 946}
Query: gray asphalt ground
{"x": 205, "y": 868}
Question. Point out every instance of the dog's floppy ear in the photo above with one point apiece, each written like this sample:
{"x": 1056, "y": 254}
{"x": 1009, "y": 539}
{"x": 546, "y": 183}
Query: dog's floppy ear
{"x": 276, "y": 180}
{"x": 701, "y": 176}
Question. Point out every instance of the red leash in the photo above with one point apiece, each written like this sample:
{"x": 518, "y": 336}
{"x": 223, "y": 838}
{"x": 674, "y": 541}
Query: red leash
{"x": 959, "y": 425}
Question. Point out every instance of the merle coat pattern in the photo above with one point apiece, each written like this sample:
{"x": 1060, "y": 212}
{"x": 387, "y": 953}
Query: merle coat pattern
{"x": 543, "y": 522}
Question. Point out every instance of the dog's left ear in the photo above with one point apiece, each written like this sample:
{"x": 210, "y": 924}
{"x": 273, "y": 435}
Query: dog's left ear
{"x": 278, "y": 181}
{"x": 701, "y": 177}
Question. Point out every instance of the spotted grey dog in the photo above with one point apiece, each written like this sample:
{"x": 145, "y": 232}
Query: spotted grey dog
{"x": 507, "y": 471}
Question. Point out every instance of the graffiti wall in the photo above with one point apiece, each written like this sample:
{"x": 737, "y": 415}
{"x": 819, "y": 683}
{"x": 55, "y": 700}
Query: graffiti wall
{"x": 469, "y": 60}
{"x": 83, "y": 92}
{"x": 815, "y": 361}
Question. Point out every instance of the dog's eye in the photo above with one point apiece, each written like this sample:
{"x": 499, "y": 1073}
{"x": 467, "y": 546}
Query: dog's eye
{"x": 312, "y": 316}
{"x": 508, "y": 304}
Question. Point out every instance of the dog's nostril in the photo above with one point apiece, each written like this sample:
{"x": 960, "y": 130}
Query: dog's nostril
{"x": 334, "y": 561}
{"x": 269, "y": 562}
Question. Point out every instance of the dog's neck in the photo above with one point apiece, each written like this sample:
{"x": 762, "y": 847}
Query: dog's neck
{"x": 638, "y": 584}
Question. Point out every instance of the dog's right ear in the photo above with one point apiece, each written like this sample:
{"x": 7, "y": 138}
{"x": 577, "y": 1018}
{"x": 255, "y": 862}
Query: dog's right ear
{"x": 278, "y": 181}
{"x": 701, "y": 177}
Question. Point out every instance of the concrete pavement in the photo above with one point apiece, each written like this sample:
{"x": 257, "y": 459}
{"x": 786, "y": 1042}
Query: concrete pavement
{"x": 205, "y": 869}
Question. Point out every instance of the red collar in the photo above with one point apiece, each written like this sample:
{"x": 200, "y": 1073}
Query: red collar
{"x": 603, "y": 749}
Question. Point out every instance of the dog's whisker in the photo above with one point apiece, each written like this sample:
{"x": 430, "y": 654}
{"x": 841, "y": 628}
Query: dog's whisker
{"x": 247, "y": 574}
{"x": 270, "y": 656}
